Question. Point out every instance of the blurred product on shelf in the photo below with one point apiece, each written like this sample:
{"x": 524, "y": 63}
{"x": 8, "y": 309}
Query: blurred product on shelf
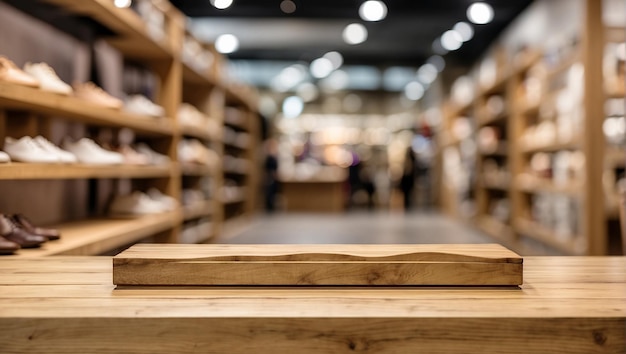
{"x": 614, "y": 126}
{"x": 236, "y": 164}
{"x": 462, "y": 128}
{"x": 495, "y": 174}
{"x": 556, "y": 212}
{"x": 195, "y": 55}
{"x": 169, "y": 203}
{"x": 88, "y": 152}
{"x": 154, "y": 19}
{"x": 138, "y": 203}
{"x": 9, "y": 72}
{"x": 196, "y": 231}
{"x": 47, "y": 77}
{"x": 488, "y": 139}
{"x": 192, "y": 196}
{"x": 234, "y": 116}
{"x": 494, "y": 106}
{"x": 539, "y": 135}
{"x": 614, "y": 67}
{"x": 193, "y": 151}
{"x": 26, "y": 149}
{"x": 463, "y": 91}
{"x": 501, "y": 210}
{"x": 231, "y": 191}
{"x": 189, "y": 115}
{"x": 541, "y": 165}
{"x": 4, "y": 157}
{"x": 487, "y": 73}
{"x": 12, "y": 233}
{"x": 141, "y": 105}
{"x": 133, "y": 157}
{"x": 62, "y": 155}
{"x": 88, "y": 91}
{"x": 154, "y": 158}
{"x": 23, "y": 222}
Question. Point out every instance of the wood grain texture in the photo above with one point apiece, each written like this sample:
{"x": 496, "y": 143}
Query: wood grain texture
{"x": 69, "y": 305}
{"x": 317, "y": 265}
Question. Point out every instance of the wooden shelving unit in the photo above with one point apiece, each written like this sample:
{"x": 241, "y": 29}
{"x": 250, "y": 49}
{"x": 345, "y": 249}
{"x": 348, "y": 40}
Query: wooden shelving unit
{"x": 581, "y": 187}
{"x": 29, "y": 111}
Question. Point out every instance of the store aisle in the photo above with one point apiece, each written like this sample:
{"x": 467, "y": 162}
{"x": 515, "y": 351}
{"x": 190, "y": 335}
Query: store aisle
{"x": 357, "y": 227}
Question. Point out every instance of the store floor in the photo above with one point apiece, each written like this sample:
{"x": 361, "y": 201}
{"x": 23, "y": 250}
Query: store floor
{"x": 357, "y": 227}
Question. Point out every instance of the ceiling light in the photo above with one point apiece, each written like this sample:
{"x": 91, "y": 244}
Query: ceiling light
{"x": 321, "y": 67}
{"x": 414, "y": 91}
{"x": 465, "y": 30}
{"x": 355, "y": 33}
{"x": 373, "y": 10}
{"x": 335, "y": 58}
{"x": 288, "y": 6}
{"x": 427, "y": 73}
{"x": 480, "y": 13}
{"x": 122, "y": 4}
{"x": 451, "y": 40}
{"x": 438, "y": 62}
{"x": 292, "y": 106}
{"x": 226, "y": 43}
{"x": 221, "y": 4}
{"x": 337, "y": 81}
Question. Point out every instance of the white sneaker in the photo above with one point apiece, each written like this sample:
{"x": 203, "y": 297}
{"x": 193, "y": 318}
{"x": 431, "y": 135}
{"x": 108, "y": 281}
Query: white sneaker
{"x": 47, "y": 78}
{"x": 62, "y": 155}
{"x": 4, "y": 157}
{"x": 134, "y": 204}
{"x": 139, "y": 104}
{"x": 26, "y": 150}
{"x": 168, "y": 203}
{"x": 87, "y": 151}
{"x": 154, "y": 157}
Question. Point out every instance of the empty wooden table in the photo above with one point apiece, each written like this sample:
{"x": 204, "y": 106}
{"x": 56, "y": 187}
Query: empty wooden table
{"x": 69, "y": 305}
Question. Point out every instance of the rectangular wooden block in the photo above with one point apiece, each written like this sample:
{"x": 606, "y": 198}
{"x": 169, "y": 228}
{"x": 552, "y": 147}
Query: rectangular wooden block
{"x": 337, "y": 265}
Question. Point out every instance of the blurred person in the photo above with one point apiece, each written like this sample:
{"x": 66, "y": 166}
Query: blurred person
{"x": 270, "y": 168}
{"x": 407, "y": 181}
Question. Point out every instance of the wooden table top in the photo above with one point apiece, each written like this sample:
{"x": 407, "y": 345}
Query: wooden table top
{"x": 554, "y": 287}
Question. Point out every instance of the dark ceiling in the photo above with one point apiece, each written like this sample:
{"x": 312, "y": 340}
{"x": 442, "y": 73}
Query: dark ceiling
{"x": 405, "y": 37}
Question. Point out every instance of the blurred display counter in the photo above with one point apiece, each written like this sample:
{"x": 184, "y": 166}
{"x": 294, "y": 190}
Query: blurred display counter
{"x": 322, "y": 190}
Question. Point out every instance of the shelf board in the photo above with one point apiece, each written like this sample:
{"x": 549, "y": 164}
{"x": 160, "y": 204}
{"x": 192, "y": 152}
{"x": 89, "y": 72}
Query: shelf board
{"x": 32, "y": 99}
{"x": 543, "y": 234}
{"x": 95, "y": 236}
{"x": 565, "y": 64}
{"x": 496, "y": 229}
{"x": 531, "y": 184}
{"x": 618, "y": 92}
{"x": 236, "y": 146}
{"x": 233, "y": 171}
{"x": 189, "y": 169}
{"x": 526, "y": 60}
{"x": 456, "y": 111}
{"x": 198, "y": 210}
{"x": 17, "y": 170}
{"x": 234, "y": 200}
{"x": 615, "y": 157}
{"x": 193, "y": 76}
{"x": 553, "y": 147}
{"x": 498, "y": 86}
{"x": 132, "y": 39}
{"x": 196, "y": 132}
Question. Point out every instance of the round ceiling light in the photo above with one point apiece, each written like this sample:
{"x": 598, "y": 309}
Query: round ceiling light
{"x": 373, "y": 10}
{"x": 414, "y": 91}
{"x": 292, "y": 106}
{"x": 465, "y": 30}
{"x": 122, "y": 4}
{"x": 335, "y": 57}
{"x": 480, "y": 13}
{"x": 355, "y": 33}
{"x": 437, "y": 61}
{"x": 288, "y": 6}
{"x": 451, "y": 40}
{"x": 221, "y": 4}
{"x": 226, "y": 43}
{"x": 321, "y": 67}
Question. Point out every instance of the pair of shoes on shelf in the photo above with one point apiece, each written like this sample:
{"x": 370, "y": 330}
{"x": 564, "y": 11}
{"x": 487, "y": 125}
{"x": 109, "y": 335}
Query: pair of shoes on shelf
{"x": 141, "y": 105}
{"x": 88, "y": 152}
{"x": 139, "y": 203}
{"x": 4, "y": 157}
{"x": 9, "y": 72}
{"x": 88, "y": 91}
{"x": 189, "y": 115}
{"x": 17, "y": 232}
{"x": 193, "y": 151}
{"x": 36, "y": 150}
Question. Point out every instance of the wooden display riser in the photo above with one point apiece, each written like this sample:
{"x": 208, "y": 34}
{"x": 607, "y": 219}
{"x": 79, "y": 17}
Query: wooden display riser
{"x": 69, "y": 305}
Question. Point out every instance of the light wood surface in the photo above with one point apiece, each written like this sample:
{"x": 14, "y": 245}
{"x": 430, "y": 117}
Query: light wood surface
{"x": 69, "y": 305}
{"x": 16, "y": 170}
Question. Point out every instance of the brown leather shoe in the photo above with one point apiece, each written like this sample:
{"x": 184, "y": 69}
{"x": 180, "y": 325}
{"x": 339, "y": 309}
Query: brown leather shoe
{"x": 8, "y": 247}
{"x": 23, "y": 222}
{"x": 11, "y": 232}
